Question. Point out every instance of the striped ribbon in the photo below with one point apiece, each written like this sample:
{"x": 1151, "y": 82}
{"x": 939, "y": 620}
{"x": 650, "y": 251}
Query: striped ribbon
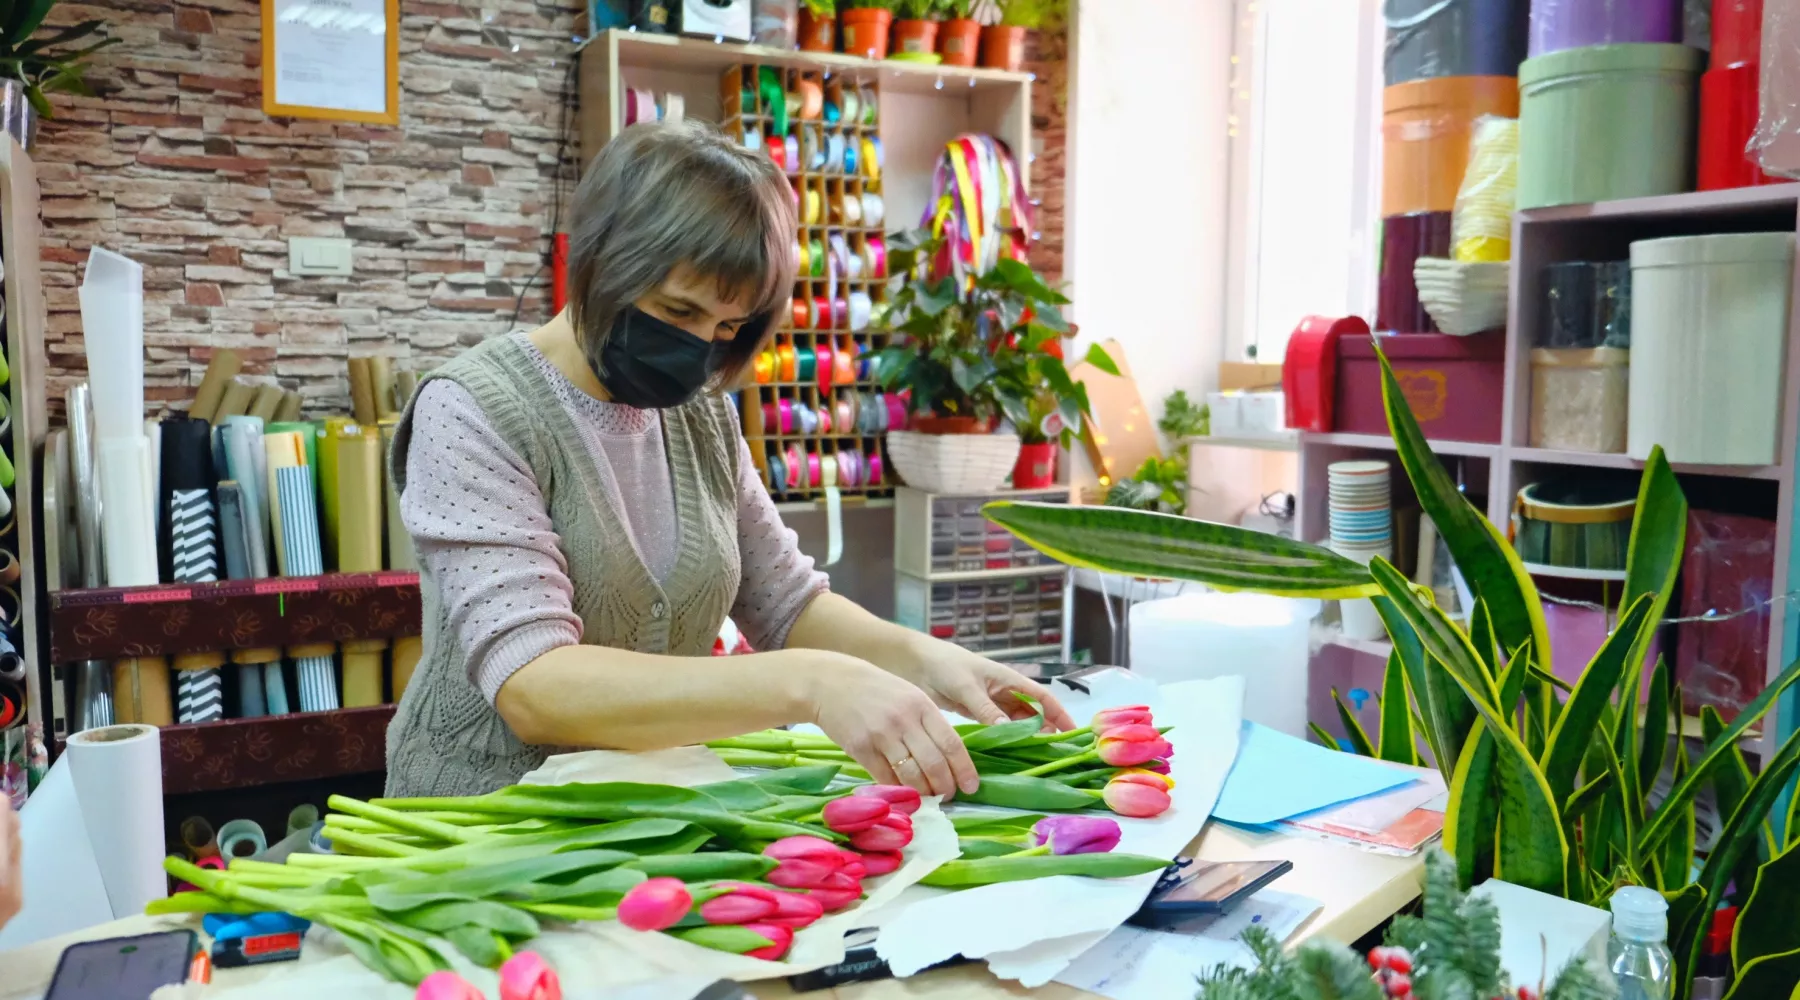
{"x": 194, "y": 549}
{"x": 300, "y": 539}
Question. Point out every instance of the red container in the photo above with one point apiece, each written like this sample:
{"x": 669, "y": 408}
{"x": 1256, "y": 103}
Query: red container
{"x": 1729, "y": 565}
{"x": 1736, "y": 32}
{"x": 1036, "y": 467}
{"x": 1729, "y": 105}
{"x": 1453, "y": 383}
{"x": 1404, "y": 239}
{"x": 1309, "y": 372}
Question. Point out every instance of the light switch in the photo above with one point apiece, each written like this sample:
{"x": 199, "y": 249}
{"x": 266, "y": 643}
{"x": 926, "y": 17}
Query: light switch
{"x": 310, "y": 255}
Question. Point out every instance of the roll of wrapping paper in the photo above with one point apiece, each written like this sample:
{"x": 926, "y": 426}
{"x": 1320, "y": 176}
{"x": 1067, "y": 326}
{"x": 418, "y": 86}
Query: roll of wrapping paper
{"x": 405, "y": 384}
{"x": 289, "y": 410}
{"x": 12, "y": 702}
{"x": 199, "y": 838}
{"x": 223, "y": 367}
{"x": 381, "y": 386}
{"x": 362, "y": 391}
{"x": 235, "y": 402}
{"x": 93, "y": 695}
{"x": 266, "y": 401}
{"x": 232, "y": 530}
{"x": 141, "y": 691}
{"x": 251, "y": 703}
{"x": 331, "y": 433}
{"x": 407, "y": 650}
{"x": 266, "y": 663}
{"x": 242, "y": 838}
{"x": 12, "y": 665}
{"x": 358, "y": 498}
{"x": 248, "y": 464}
{"x": 300, "y": 533}
{"x": 287, "y": 451}
{"x": 309, "y": 438}
{"x": 194, "y": 558}
{"x": 9, "y": 567}
{"x": 87, "y": 486}
{"x": 362, "y": 672}
{"x": 400, "y": 554}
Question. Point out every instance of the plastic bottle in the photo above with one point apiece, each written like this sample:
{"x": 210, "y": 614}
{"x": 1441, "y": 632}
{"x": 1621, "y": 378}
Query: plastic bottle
{"x": 1638, "y": 953}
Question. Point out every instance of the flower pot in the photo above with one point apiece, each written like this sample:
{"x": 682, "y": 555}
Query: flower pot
{"x": 1003, "y": 47}
{"x": 928, "y": 424}
{"x": 866, "y": 31}
{"x": 959, "y": 41}
{"x": 953, "y": 463}
{"x": 1036, "y": 467}
{"x": 17, "y": 117}
{"x": 915, "y": 37}
{"x": 817, "y": 34}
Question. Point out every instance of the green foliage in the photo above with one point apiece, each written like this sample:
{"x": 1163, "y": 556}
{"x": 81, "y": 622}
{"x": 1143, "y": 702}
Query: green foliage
{"x": 1182, "y": 419}
{"x": 1045, "y": 14}
{"x": 920, "y": 10}
{"x": 1159, "y": 484}
{"x": 821, "y": 8}
{"x": 50, "y": 62}
{"x": 960, "y": 9}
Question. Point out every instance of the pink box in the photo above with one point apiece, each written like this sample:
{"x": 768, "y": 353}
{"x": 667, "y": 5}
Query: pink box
{"x": 1454, "y": 384}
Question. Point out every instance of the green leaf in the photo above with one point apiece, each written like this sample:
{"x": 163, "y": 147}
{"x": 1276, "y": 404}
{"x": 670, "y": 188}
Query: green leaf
{"x": 1324, "y": 736}
{"x": 1443, "y": 641}
{"x": 987, "y": 871}
{"x": 1681, "y": 796}
{"x": 1445, "y": 712}
{"x": 1004, "y": 734}
{"x": 1473, "y": 814}
{"x": 987, "y": 847}
{"x": 935, "y": 297}
{"x": 1481, "y": 636}
{"x": 1163, "y": 546}
{"x": 1658, "y": 531}
{"x": 985, "y": 824}
{"x": 1353, "y": 730}
{"x": 801, "y": 780}
{"x": 1397, "y": 740}
{"x": 1588, "y": 794}
{"x": 1676, "y": 860}
{"x": 1656, "y": 724}
{"x": 729, "y": 938}
{"x": 1036, "y": 794}
{"x": 739, "y": 796}
{"x": 1491, "y": 567}
{"x": 1768, "y": 978}
{"x": 1579, "y": 722}
{"x": 1731, "y": 782}
{"x": 498, "y": 918}
{"x": 1767, "y": 925}
{"x": 1097, "y": 356}
{"x": 705, "y": 866}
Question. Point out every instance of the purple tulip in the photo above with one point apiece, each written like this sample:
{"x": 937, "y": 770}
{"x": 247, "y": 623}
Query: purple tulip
{"x": 1076, "y": 834}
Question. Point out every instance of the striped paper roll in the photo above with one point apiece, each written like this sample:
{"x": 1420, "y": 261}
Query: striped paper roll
{"x": 193, "y": 534}
{"x": 300, "y": 543}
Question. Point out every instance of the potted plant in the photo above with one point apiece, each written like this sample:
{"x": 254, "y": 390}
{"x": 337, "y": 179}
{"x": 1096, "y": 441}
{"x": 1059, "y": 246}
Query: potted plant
{"x": 959, "y": 38}
{"x": 866, "y": 24}
{"x": 818, "y": 25}
{"x": 1003, "y": 44}
{"x": 32, "y": 68}
{"x": 916, "y": 26}
{"x": 970, "y": 356}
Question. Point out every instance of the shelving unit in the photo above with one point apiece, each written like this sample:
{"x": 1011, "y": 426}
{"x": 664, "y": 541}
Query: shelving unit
{"x": 25, "y": 320}
{"x": 964, "y": 579}
{"x": 1602, "y": 231}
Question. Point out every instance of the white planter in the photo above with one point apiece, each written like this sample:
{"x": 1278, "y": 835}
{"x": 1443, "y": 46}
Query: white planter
{"x": 953, "y": 463}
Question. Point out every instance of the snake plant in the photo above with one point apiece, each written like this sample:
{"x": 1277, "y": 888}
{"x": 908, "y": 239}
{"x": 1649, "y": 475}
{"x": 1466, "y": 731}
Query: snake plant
{"x": 1550, "y": 784}
{"x": 47, "y": 63}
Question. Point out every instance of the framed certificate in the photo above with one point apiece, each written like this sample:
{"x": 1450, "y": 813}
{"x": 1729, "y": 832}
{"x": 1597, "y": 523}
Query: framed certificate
{"x": 336, "y": 59}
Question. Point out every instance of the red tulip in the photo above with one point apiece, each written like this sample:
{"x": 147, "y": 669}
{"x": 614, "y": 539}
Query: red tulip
{"x": 655, "y": 904}
{"x": 526, "y": 976}
{"x": 1140, "y": 795}
{"x": 890, "y": 834}
{"x": 1076, "y": 834}
{"x": 855, "y": 813}
{"x": 882, "y": 862}
{"x": 1125, "y": 715}
{"x": 780, "y": 938}
{"x": 795, "y": 910}
{"x": 1129, "y": 746}
{"x": 902, "y": 798}
{"x": 446, "y": 986}
{"x": 804, "y": 862}
{"x": 833, "y": 900}
{"x": 739, "y": 906}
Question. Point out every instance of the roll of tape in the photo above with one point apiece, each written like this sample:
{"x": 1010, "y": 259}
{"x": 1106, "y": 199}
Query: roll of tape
{"x": 827, "y": 357}
{"x": 815, "y": 207}
{"x": 805, "y": 360}
{"x": 834, "y": 151}
{"x": 821, "y": 320}
{"x": 874, "y": 209}
{"x": 763, "y": 367}
{"x": 791, "y": 153}
{"x": 860, "y": 308}
{"x": 852, "y": 210}
{"x": 817, "y": 248}
{"x": 812, "y": 98}
{"x": 242, "y": 838}
{"x": 784, "y": 353}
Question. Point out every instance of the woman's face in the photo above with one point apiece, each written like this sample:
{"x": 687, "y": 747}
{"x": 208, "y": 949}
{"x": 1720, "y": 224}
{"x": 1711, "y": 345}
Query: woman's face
{"x": 690, "y": 301}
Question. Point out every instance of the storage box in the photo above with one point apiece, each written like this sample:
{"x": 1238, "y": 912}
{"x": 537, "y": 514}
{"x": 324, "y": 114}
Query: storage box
{"x": 1579, "y": 398}
{"x": 1729, "y": 565}
{"x": 1454, "y": 384}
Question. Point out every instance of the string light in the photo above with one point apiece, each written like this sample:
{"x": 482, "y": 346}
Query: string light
{"x": 1708, "y": 616}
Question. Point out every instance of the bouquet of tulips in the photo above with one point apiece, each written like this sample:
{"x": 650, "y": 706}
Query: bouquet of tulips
{"x": 1119, "y": 761}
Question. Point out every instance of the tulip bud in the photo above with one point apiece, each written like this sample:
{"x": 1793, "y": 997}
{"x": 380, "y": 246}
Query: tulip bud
{"x": 890, "y": 834}
{"x": 1129, "y": 795}
{"x": 804, "y": 862}
{"x": 738, "y": 906}
{"x": 1147, "y": 776}
{"x": 780, "y": 938}
{"x": 655, "y": 904}
{"x": 446, "y": 986}
{"x": 833, "y": 900}
{"x": 882, "y": 862}
{"x": 795, "y": 910}
{"x": 526, "y": 976}
{"x": 1129, "y": 746}
{"x": 1076, "y": 834}
{"x": 1125, "y": 715}
{"x": 1158, "y": 766}
{"x": 855, "y": 813}
{"x": 902, "y": 798}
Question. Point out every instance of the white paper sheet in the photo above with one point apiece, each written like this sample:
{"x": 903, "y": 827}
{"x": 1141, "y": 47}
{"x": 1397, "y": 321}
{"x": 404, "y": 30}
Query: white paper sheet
{"x": 63, "y": 890}
{"x": 331, "y": 55}
{"x": 117, "y": 775}
{"x": 1030, "y": 931}
{"x": 1133, "y": 963}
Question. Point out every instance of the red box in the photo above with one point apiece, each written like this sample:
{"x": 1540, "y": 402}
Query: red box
{"x": 1454, "y": 384}
{"x": 1729, "y": 565}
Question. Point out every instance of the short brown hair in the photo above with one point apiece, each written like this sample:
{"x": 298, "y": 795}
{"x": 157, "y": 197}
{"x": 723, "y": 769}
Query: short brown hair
{"x": 663, "y": 194}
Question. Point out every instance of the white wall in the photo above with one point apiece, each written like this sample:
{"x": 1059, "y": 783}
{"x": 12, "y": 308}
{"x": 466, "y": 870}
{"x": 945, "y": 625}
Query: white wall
{"x": 1148, "y": 164}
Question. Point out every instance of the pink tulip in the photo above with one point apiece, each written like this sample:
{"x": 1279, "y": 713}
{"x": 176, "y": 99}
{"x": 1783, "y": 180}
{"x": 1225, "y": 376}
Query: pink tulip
{"x": 882, "y": 862}
{"x": 856, "y": 869}
{"x": 1129, "y": 746}
{"x": 900, "y": 797}
{"x": 655, "y": 904}
{"x": 446, "y": 986}
{"x": 1076, "y": 834}
{"x": 855, "y": 813}
{"x": 1108, "y": 719}
{"x": 804, "y": 862}
{"x": 739, "y": 906}
{"x": 890, "y": 834}
{"x": 1147, "y": 776}
{"x": 833, "y": 899}
{"x": 795, "y": 910}
{"x": 780, "y": 938}
{"x": 526, "y": 976}
{"x": 1159, "y": 766}
{"x": 1132, "y": 795}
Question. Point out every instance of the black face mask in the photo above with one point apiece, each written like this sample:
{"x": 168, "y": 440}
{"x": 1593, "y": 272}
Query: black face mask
{"x": 653, "y": 365}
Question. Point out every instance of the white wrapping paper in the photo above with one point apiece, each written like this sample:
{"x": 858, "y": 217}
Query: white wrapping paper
{"x": 112, "y": 322}
{"x": 117, "y": 774}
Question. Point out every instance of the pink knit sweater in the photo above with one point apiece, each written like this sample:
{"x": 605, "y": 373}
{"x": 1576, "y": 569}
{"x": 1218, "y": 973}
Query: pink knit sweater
{"x": 481, "y": 529}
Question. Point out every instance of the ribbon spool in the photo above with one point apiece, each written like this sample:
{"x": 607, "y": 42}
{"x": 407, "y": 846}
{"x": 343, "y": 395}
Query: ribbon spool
{"x": 826, "y": 358}
{"x": 777, "y": 473}
{"x": 763, "y": 367}
{"x": 858, "y": 266}
{"x": 861, "y": 306}
{"x": 802, "y": 315}
{"x": 640, "y": 106}
{"x": 821, "y": 320}
{"x": 845, "y": 412}
{"x": 674, "y": 108}
{"x": 874, "y": 209}
{"x": 815, "y": 207}
{"x": 796, "y": 467}
{"x": 832, "y": 113}
{"x": 784, "y": 352}
{"x": 771, "y": 418}
{"x": 825, "y": 423}
{"x": 812, "y": 147}
{"x": 877, "y": 256}
{"x": 773, "y": 101}
{"x": 850, "y": 157}
{"x": 753, "y": 139}
{"x": 812, "y": 98}
{"x": 840, "y": 314}
{"x": 844, "y": 361}
{"x": 806, "y": 419}
{"x": 835, "y": 145}
{"x": 874, "y": 470}
{"x": 791, "y": 154}
{"x": 778, "y": 154}
{"x": 817, "y": 261}
{"x": 852, "y": 105}
{"x": 805, "y": 360}
{"x": 896, "y": 413}
{"x": 851, "y": 210}
{"x": 814, "y": 470}
{"x": 785, "y": 415}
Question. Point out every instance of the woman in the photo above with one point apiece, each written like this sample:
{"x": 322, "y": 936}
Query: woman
{"x": 586, "y": 514}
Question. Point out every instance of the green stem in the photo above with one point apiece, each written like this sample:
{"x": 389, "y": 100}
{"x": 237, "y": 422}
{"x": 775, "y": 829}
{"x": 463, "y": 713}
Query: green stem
{"x": 372, "y": 846}
{"x": 1058, "y": 765}
{"x": 572, "y": 914}
{"x": 1031, "y": 852}
{"x": 1082, "y": 777}
{"x": 401, "y": 821}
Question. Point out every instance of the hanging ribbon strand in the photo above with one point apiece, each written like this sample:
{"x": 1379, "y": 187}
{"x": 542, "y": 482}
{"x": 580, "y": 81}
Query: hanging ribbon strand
{"x": 978, "y": 200}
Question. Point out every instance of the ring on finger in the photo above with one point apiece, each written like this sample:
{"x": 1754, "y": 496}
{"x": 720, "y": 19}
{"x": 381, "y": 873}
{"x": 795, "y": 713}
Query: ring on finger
{"x": 902, "y": 762}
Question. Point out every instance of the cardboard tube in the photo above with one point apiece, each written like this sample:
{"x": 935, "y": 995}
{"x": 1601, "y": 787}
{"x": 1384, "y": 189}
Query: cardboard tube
{"x": 400, "y": 554}
{"x": 335, "y": 430}
{"x": 141, "y": 691}
{"x": 223, "y": 367}
{"x": 362, "y": 672}
{"x": 268, "y": 660}
{"x": 199, "y": 661}
{"x": 9, "y": 568}
{"x": 199, "y": 838}
{"x": 405, "y": 384}
{"x": 311, "y": 649}
{"x": 381, "y": 383}
{"x": 234, "y": 403}
{"x": 267, "y": 401}
{"x": 289, "y": 410}
{"x": 407, "y": 650}
{"x": 362, "y": 391}
{"x": 359, "y": 499}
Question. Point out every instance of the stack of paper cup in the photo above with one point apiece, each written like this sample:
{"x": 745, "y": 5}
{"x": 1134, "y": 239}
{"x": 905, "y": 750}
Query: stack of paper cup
{"x": 1362, "y": 527}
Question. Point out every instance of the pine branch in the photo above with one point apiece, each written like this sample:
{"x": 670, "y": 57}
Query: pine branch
{"x": 1330, "y": 971}
{"x": 1578, "y": 980}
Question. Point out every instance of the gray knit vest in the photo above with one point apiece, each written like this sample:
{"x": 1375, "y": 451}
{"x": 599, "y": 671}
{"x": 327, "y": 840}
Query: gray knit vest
{"x": 445, "y": 738}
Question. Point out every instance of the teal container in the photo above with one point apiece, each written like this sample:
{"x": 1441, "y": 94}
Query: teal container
{"x": 1606, "y": 122}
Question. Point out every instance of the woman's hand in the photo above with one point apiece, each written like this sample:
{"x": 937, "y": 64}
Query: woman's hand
{"x": 12, "y": 880}
{"x": 976, "y": 687}
{"x": 892, "y": 729}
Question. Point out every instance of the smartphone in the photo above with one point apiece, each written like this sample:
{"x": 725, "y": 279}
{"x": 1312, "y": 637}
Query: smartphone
{"x": 127, "y": 968}
{"x": 1189, "y": 887}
